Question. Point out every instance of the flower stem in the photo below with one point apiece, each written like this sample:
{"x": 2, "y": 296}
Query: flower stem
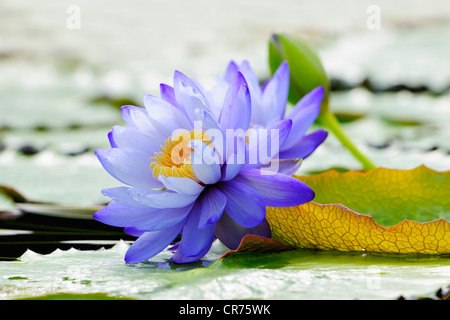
{"x": 330, "y": 122}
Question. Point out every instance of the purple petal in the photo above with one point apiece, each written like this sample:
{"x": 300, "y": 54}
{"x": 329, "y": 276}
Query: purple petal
{"x": 303, "y": 116}
{"x": 111, "y": 140}
{"x": 250, "y": 75}
{"x": 236, "y": 109}
{"x": 164, "y": 117}
{"x": 120, "y": 215}
{"x": 212, "y": 205}
{"x": 305, "y": 146}
{"x": 231, "y": 234}
{"x": 264, "y": 144}
{"x": 275, "y": 94}
{"x": 258, "y": 116}
{"x": 283, "y": 166}
{"x": 231, "y": 169}
{"x": 132, "y": 231}
{"x": 128, "y": 114}
{"x": 231, "y": 71}
{"x": 130, "y": 168}
{"x": 162, "y": 198}
{"x": 205, "y": 163}
{"x": 235, "y": 159}
{"x": 174, "y": 247}
{"x": 137, "y": 118}
{"x": 244, "y": 204}
{"x": 277, "y": 190}
{"x": 194, "y": 239}
{"x": 168, "y": 94}
{"x": 151, "y": 243}
{"x": 215, "y": 133}
{"x": 180, "y": 257}
{"x": 123, "y": 195}
{"x": 164, "y": 218}
{"x": 189, "y": 96}
{"x": 182, "y": 185}
{"x": 133, "y": 139}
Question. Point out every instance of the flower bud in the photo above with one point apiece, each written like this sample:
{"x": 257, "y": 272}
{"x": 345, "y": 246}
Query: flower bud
{"x": 306, "y": 70}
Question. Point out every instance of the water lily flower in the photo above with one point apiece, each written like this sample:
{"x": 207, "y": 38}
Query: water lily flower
{"x": 181, "y": 179}
{"x": 269, "y": 106}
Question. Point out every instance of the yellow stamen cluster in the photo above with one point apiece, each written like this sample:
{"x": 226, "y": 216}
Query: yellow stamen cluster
{"x": 174, "y": 159}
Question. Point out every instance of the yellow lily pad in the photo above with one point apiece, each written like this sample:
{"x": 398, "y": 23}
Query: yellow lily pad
{"x": 383, "y": 210}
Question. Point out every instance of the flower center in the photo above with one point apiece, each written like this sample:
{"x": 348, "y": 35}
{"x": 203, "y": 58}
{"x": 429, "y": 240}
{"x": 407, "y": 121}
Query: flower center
{"x": 174, "y": 159}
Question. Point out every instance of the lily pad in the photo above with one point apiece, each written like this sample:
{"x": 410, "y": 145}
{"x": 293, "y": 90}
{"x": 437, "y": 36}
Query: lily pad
{"x": 350, "y": 209}
{"x": 296, "y": 274}
{"x": 254, "y": 243}
{"x": 6, "y": 202}
{"x": 52, "y": 177}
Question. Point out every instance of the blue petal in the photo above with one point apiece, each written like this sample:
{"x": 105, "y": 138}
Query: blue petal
{"x": 111, "y": 140}
{"x": 277, "y": 190}
{"x": 231, "y": 168}
{"x": 162, "y": 198}
{"x": 137, "y": 118}
{"x": 189, "y": 96}
{"x": 265, "y": 144}
{"x": 231, "y": 234}
{"x": 128, "y": 115}
{"x": 174, "y": 247}
{"x": 235, "y": 157}
{"x": 164, "y": 117}
{"x": 168, "y": 94}
{"x": 215, "y": 133}
{"x": 258, "y": 116}
{"x": 120, "y": 215}
{"x": 275, "y": 94}
{"x": 305, "y": 146}
{"x": 244, "y": 204}
{"x": 151, "y": 243}
{"x": 180, "y": 257}
{"x": 130, "y": 168}
{"x": 236, "y": 108}
{"x": 182, "y": 185}
{"x": 194, "y": 239}
{"x": 132, "y": 231}
{"x": 134, "y": 140}
{"x": 250, "y": 76}
{"x": 123, "y": 195}
{"x": 303, "y": 116}
{"x": 212, "y": 204}
{"x": 283, "y": 166}
{"x": 231, "y": 71}
{"x": 205, "y": 162}
{"x": 164, "y": 218}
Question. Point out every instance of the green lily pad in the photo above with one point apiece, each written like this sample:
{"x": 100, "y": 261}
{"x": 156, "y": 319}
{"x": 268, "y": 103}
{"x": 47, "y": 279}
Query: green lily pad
{"x": 286, "y": 275}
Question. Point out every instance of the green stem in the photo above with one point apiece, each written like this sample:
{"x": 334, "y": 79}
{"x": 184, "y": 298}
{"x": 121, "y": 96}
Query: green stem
{"x": 330, "y": 122}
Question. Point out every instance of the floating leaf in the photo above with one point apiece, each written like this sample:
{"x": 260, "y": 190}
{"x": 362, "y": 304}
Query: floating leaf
{"x": 295, "y": 274}
{"x": 60, "y": 211}
{"x": 254, "y": 243}
{"x": 350, "y": 209}
{"x": 12, "y": 193}
{"x": 8, "y": 196}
